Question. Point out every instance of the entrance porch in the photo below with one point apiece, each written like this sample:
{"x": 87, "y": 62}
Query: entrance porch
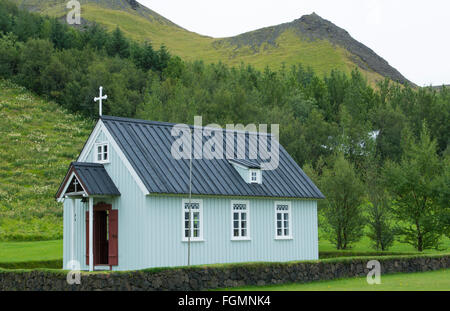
{"x": 90, "y": 183}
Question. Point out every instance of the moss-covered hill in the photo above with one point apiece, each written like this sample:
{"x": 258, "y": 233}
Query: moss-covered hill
{"x": 309, "y": 40}
{"x": 38, "y": 140}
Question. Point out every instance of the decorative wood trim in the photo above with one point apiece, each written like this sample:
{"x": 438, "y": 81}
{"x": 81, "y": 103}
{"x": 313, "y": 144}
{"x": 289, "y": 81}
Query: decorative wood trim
{"x": 88, "y": 144}
{"x": 70, "y": 174}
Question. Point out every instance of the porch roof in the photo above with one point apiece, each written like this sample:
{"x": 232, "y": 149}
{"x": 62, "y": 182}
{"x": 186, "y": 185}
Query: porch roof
{"x": 93, "y": 178}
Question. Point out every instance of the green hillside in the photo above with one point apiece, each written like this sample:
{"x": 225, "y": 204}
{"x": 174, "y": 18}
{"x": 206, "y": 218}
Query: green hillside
{"x": 38, "y": 139}
{"x": 289, "y": 43}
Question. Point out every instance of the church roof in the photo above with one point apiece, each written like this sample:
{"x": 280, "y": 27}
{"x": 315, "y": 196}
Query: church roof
{"x": 147, "y": 146}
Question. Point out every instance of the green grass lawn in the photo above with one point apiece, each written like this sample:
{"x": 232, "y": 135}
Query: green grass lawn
{"x": 429, "y": 281}
{"x": 49, "y": 250}
{"x": 364, "y": 245}
{"x": 30, "y": 251}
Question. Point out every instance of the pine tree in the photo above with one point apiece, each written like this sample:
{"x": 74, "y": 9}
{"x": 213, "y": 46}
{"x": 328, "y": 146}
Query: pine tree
{"x": 118, "y": 45}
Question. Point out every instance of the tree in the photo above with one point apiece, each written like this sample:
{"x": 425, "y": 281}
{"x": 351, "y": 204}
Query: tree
{"x": 355, "y": 140}
{"x": 413, "y": 183}
{"x": 96, "y": 36}
{"x": 144, "y": 56}
{"x": 315, "y": 139}
{"x": 378, "y": 217}
{"x": 442, "y": 192}
{"x": 389, "y": 122}
{"x": 118, "y": 45}
{"x": 59, "y": 34}
{"x": 162, "y": 59}
{"x": 27, "y": 25}
{"x": 35, "y": 58}
{"x": 344, "y": 193}
{"x": 9, "y": 55}
{"x": 54, "y": 78}
{"x": 5, "y": 20}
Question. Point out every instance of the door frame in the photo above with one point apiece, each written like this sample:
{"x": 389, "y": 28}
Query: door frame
{"x": 99, "y": 207}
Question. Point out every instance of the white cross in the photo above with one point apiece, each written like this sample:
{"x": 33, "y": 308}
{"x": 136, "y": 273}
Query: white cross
{"x": 75, "y": 183}
{"x": 100, "y": 99}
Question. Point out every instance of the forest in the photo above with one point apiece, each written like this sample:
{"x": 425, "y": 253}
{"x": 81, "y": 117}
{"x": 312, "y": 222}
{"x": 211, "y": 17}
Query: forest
{"x": 379, "y": 152}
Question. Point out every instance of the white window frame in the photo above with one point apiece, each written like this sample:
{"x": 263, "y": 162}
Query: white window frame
{"x": 183, "y": 228}
{"x": 258, "y": 176}
{"x": 108, "y": 152}
{"x": 247, "y": 211}
{"x": 289, "y": 212}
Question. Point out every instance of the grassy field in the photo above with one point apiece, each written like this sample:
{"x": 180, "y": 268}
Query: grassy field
{"x": 30, "y": 251}
{"x": 39, "y": 140}
{"x": 49, "y": 250}
{"x": 428, "y": 281}
{"x": 364, "y": 245}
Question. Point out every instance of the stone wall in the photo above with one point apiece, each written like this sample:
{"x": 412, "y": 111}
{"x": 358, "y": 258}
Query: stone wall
{"x": 208, "y": 277}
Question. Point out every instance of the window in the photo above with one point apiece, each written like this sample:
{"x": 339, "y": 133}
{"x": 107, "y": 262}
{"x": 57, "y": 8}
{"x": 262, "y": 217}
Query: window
{"x": 101, "y": 153}
{"x": 240, "y": 221}
{"x": 255, "y": 176}
{"x": 283, "y": 220}
{"x": 196, "y": 220}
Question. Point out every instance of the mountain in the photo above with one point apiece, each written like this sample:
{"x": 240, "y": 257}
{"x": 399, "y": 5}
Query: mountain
{"x": 310, "y": 40}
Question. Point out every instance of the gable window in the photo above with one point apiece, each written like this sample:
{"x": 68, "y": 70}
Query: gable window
{"x": 101, "y": 153}
{"x": 283, "y": 224}
{"x": 194, "y": 227}
{"x": 240, "y": 220}
{"x": 255, "y": 176}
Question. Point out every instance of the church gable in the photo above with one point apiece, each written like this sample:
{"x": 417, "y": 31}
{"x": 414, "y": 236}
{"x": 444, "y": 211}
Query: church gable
{"x": 101, "y": 148}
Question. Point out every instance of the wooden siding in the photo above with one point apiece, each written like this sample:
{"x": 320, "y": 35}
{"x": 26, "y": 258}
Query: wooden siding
{"x": 165, "y": 232}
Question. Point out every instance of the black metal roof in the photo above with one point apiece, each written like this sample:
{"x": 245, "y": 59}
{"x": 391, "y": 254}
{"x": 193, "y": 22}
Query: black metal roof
{"x": 147, "y": 146}
{"x": 93, "y": 178}
{"x": 246, "y": 163}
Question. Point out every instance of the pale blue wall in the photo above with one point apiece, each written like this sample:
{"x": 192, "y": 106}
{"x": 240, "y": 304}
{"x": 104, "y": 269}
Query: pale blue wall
{"x": 242, "y": 171}
{"x": 150, "y": 228}
{"x": 164, "y": 230}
